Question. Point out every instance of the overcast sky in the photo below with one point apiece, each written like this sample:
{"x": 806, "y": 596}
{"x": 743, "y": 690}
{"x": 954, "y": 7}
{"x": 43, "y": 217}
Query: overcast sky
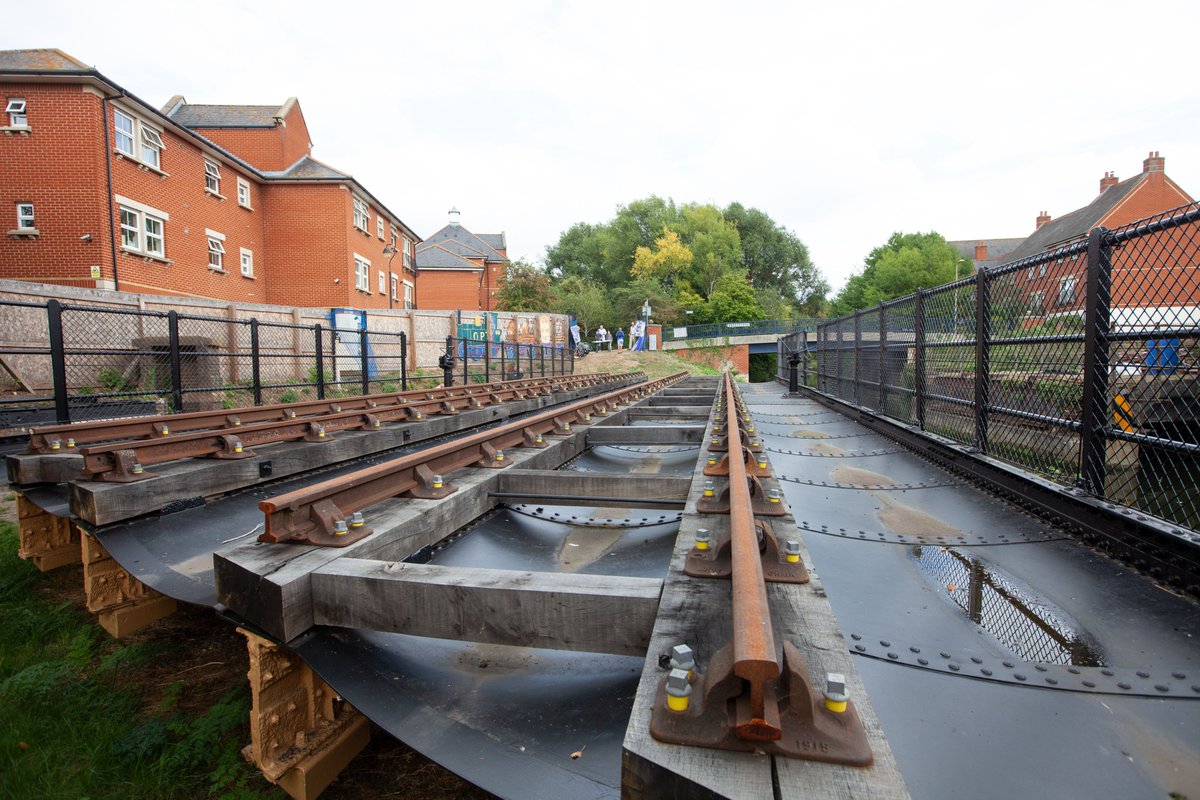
{"x": 843, "y": 121}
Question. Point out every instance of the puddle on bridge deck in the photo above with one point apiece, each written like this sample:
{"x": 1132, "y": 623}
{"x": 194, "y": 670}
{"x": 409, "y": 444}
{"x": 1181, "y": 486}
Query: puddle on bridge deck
{"x": 1013, "y": 614}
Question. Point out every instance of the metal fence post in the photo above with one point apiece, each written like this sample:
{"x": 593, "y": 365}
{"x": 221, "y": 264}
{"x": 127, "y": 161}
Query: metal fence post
{"x": 176, "y": 361}
{"x": 530, "y": 373}
{"x": 255, "y": 366}
{"x": 447, "y": 368}
{"x": 364, "y": 362}
{"x": 983, "y": 381}
{"x": 1097, "y": 323}
{"x": 571, "y": 350}
{"x": 858, "y": 358}
{"x": 403, "y": 361}
{"x": 58, "y": 361}
{"x": 542, "y": 358}
{"x": 487, "y": 361}
{"x": 882, "y": 358}
{"x": 466, "y": 346}
{"x": 919, "y": 359}
{"x": 319, "y": 352}
{"x": 503, "y": 361}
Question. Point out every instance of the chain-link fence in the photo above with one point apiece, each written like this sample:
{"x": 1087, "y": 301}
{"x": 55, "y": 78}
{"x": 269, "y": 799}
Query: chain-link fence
{"x": 1079, "y": 364}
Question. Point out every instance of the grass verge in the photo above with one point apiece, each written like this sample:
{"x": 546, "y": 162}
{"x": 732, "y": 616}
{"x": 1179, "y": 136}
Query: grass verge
{"x": 81, "y": 720}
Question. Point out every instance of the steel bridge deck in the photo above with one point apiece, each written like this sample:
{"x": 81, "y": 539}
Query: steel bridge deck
{"x": 914, "y": 559}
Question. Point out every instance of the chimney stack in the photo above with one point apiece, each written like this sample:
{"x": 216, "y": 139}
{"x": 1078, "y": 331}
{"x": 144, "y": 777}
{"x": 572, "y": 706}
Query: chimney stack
{"x": 981, "y": 251}
{"x": 1154, "y": 162}
{"x": 1042, "y": 219}
{"x": 1108, "y": 180}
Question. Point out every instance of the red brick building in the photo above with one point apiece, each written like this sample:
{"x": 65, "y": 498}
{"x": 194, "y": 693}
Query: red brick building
{"x": 104, "y": 190}
{"x": 1156, "y": 279}
{"x": 460, "y": 269}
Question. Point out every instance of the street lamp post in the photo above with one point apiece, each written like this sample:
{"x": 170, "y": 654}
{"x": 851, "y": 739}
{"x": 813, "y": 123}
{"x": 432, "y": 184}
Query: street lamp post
{"x": 389, "y": 250}
{"x": 646, "y": 325}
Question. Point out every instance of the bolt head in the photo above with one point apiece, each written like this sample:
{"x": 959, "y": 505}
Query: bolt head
{"x": 357, "y": 518}
{"x": 792, "y": 548}
{"x": 835, "y": 686}
{"x": 339, "y": 526}
{"x": 682, "y": 657}
{"x": 677, "y": 683}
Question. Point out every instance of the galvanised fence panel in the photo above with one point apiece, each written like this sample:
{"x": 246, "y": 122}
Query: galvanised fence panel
{"x": 1079, "y": 364}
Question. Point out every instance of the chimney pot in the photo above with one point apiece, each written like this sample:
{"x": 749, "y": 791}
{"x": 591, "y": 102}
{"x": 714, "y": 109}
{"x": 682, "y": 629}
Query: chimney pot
{"x": 981, "y": 249}
{"x": 1042, "y": 219}
{"x": 1109, "y": 179}
{"x": 1154, "y": 162}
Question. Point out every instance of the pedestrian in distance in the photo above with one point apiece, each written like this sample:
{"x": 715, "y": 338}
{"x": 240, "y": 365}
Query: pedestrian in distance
{"x": 620, "y": 338}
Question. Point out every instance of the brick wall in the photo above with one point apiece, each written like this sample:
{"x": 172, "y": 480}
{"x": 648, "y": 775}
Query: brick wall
{"x": 449, "y": 288}
{"x": 56, "y": 167}
{"x": 736, "y": 357}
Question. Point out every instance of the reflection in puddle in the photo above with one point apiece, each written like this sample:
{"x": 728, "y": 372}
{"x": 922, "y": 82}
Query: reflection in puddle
{"x": 1029, "y": 626}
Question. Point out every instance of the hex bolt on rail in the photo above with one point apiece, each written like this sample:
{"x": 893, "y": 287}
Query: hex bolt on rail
{"x": 310, "y": 515}
{"x": 116, "y": 462}
{"x": 744, "y": 701}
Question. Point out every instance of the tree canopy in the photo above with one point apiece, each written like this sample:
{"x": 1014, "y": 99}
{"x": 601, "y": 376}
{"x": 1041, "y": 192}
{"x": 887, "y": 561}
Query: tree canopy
{"x": 905, "y": 263}
{"x": 721, "y": 265}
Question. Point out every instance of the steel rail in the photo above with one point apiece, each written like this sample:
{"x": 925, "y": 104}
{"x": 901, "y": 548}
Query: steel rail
{"x": 116, "y": 461}
{"x": 755, "y": 658}
{"x": 317, "y": 514}
{"x": 41, "y": 439}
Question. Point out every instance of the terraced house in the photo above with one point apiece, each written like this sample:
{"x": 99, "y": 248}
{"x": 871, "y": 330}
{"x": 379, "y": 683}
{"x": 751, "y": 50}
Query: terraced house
{"x": 104, "y": 190}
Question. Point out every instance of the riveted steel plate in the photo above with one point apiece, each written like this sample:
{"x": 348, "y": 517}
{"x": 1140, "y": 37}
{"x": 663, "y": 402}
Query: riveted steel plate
{"x": 986, "y": 538}
{"x": 1167, "y": 683}
{"x": 843, "y": 454}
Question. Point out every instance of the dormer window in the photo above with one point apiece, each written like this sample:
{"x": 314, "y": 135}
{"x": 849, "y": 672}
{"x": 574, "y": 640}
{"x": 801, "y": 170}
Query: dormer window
{"x": 16, "y": 113}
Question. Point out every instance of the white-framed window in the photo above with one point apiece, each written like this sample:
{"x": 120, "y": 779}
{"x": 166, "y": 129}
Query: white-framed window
{"x": 395, "y": 286}
{"x": 16, "y": 113}
{"x": 362, "y": 273}
{"x": 244, "y": 193}
{"x": 143, "y": 228}
{"x": 379, "y": 227}
{"x": 362, "y": 214}
{"x": 216, "y": 252}
{"x": 247, "y": 263}
{"x": 152, "y": 147}
{"x": 134, "y": 138}
{"x": 406, "y": 249}
{"x": 1037, "y": 304}
{"x": 25, "y": 217}
{"x": 1066, "y": 290}
{"x": 123, "y": 132}
{"x": 393, "y": 231}
{"x": 155, "y": 244}
{"x": 408, "y": 295}
{"x": 382, "y": 283}
{"x": 212, "y": 177}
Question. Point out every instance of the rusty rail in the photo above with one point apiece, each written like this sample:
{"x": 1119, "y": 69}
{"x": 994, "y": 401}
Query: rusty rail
{"x": 125, "y": 461}
{"x": 326, "y": 513}
{"x": 61, "y": 438}
{"x": 748, "y": 698}
{"x": 755, "y": 660}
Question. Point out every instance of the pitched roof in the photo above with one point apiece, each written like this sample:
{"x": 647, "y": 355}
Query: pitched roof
{"x": 212, "y": 116}
{"x": 43, "y": 60}
{"x": 459, "y": 234}
{"x": 438, "y": 257}
{"x": 308, "y": 168}
{"x": 494, "y": 240}
{"x": 1077, "y": 223}
{"x": 458, "y": 248}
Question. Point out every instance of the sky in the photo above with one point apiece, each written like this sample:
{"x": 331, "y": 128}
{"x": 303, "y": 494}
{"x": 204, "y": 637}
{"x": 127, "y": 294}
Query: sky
{"x": 844, "y": 122}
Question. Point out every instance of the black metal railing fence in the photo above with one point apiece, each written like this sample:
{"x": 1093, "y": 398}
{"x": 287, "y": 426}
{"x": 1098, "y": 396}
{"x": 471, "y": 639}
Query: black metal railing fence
{"x": 1080, "y": 364}
{"x": 62, "y": 363}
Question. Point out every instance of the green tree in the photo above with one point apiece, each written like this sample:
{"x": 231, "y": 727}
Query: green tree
{"x": 775, "y": 258}
{"x": 714, "y": 243}
{"x": 587, "y": 301}
{"x": 907, "y": 262}
{"x": 525, "y": 288}
{"x": 733, "y": 300}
